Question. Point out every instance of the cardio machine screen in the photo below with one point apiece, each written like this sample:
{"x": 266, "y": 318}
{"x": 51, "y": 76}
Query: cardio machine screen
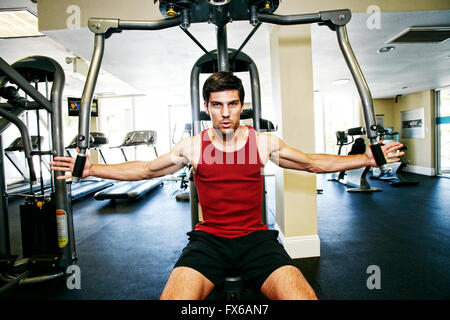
{"x": 75, "y": 104}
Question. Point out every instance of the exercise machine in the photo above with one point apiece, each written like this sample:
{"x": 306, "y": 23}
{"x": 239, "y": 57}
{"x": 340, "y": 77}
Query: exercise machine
{"x": 22, "y": 187}
{"x": 88, "y": 186}
{"x": 220, "y": 12}
{"x": 132, "y": 190}
{"x": 46, "y": 255}
{"x": 394, "y": 176}
{"x": 182, "y": 174}
{"x": 355, "y": 179}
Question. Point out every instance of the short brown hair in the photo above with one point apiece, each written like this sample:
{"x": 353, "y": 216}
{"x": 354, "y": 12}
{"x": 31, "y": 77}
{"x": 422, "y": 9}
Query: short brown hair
{"x": 221, "y": 81}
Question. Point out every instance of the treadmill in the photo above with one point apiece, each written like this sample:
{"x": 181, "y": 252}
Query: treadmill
{"x": 132, "y": 190}
{"x": 23, "y": 186}
{"x": 89, "y": 185}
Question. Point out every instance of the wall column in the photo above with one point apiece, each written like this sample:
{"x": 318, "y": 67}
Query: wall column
{"x": 296, "y": 200}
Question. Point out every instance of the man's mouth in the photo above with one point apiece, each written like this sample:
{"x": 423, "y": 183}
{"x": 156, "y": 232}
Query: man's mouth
{"x": 227, "y": 124}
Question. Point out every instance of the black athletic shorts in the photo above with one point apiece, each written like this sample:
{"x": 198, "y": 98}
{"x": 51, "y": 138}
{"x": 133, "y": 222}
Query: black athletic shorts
{"x": 254, "y": 256}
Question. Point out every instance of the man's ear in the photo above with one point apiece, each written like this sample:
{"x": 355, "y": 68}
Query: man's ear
{"x": 205, "y": 106}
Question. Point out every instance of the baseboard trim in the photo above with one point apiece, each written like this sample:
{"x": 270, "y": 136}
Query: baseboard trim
{"x": 300, "y": 247}
{"x": 420, "y": 170}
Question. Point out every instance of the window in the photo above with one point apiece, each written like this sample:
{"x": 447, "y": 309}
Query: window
{"x": 341, "y": 112}
{"x": 116, "y": 119}
{"x": 442, "y": 101}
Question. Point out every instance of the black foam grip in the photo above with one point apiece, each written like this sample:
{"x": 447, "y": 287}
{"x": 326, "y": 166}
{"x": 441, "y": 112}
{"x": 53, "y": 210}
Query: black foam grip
{"x": 355, "y": 131}
{"x": 79, "y": 166}
{"x": 378, "y": 154}
{"x": 33, "y": 178}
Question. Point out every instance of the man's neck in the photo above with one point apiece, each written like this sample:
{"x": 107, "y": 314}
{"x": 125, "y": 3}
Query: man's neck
{"x": 230, "y": 139}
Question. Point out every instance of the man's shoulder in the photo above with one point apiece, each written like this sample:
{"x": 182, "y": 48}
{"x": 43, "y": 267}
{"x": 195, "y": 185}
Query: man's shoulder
{"x": 268, "y": 141}
{"x": 266, "y": 136}
{"x": 189, "y": 143}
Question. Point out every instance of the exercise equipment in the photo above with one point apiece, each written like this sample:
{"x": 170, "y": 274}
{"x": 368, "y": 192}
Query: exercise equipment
{"x": 395, "y": 175}
{"x": 219, "y": 12}
{"x": 88, "y": 186}
{"x": 132, "y": 190}
{"x": 182, "y": 174}
{"x": 354, "y": 179}
{"x": 185, "y": 12}
{"x": 46, "y": 254}
{"x": 22, "y": 187}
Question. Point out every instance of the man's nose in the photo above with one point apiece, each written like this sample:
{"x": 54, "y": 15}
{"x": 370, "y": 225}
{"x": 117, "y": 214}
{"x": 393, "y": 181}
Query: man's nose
{"x": 225, "y": 111}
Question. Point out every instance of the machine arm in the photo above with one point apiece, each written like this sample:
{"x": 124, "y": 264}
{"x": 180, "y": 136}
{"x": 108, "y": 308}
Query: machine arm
{"x": 25, "y": 138}
{"x": 336, "y": 20}
{"x": 104, "y": 28}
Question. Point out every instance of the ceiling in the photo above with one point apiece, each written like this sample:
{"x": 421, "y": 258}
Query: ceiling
{"x": 158, "y": 63}
{"x": 417, "y": 67}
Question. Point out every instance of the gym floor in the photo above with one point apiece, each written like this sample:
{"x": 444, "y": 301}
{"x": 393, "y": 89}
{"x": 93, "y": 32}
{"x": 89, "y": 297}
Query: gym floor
{"x": 126, "y": 250}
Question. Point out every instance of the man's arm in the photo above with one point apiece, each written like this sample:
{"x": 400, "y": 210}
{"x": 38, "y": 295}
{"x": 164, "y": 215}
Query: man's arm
{"x": 131, "y": 170}
{"x": 291, "y": 158}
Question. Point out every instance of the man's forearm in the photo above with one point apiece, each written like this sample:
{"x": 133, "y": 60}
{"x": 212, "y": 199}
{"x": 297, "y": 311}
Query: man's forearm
{"x": 137, "y": 170}
{"x": 323, "y": 163}
{"x": 128, "y": 171}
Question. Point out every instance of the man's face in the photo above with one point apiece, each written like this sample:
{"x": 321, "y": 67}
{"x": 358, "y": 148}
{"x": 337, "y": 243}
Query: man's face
{"x": 224, "y": 108}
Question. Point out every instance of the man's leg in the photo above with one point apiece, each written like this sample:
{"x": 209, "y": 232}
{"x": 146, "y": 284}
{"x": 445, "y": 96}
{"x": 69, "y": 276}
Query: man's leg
{"x": 287, "y": 283}
{"x": 186, "y": 284}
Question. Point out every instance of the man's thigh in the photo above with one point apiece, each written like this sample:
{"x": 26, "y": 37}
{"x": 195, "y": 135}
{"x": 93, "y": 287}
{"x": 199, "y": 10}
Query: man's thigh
{"x": 206, "y": 254}
{"x": 262, "y": 256}
{"x": 287, "y": 283}
{"x": 186, "y": 284}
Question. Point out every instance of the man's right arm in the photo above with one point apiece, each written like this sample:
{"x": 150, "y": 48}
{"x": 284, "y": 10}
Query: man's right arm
{"x": 132, "y": 170}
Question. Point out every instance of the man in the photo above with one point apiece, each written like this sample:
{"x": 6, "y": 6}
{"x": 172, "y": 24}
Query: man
{"x": 227, "y": 161}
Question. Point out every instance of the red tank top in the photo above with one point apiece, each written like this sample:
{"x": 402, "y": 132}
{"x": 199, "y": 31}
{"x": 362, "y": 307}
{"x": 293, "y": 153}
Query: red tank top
{"x": 229, "y": 187}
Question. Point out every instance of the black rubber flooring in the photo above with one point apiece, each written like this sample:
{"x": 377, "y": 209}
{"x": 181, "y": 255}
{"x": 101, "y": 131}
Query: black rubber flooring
{"x": 126, "y": 250}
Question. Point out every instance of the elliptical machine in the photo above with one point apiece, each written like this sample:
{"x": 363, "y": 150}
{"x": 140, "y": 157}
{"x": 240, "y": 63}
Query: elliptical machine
{"x": 395, "y": 175}
{"x": 355, "y": 179}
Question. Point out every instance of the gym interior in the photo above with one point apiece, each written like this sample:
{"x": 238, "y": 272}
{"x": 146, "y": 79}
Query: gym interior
{"x": 364, "y": 234}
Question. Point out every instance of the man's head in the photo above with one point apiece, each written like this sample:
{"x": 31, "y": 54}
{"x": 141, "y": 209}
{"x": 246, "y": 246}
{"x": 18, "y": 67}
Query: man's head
{"x": 224, "y": 99}
{"x": 221, "y": 81}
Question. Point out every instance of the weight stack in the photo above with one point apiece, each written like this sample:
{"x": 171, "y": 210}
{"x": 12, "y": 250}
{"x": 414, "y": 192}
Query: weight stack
{"x": 38, "y": 226}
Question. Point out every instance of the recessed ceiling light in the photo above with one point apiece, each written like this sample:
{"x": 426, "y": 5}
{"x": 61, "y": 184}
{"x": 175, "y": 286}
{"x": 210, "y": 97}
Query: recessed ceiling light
{"x": 386, "y": 49}
{"x": 218, "y": 2}
{"x": 340, "y": 82}
{"x": 18, "y": 23}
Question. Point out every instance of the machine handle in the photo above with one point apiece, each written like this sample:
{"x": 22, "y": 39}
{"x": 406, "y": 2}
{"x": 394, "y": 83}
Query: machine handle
{"x": 358, "y": 131}
{"x": 77, "y": 172}
{"x": 379, "y": 158}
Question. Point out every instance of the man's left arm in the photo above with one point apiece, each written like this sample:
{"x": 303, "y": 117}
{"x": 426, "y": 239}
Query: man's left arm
{"x": 291, "y": 158}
